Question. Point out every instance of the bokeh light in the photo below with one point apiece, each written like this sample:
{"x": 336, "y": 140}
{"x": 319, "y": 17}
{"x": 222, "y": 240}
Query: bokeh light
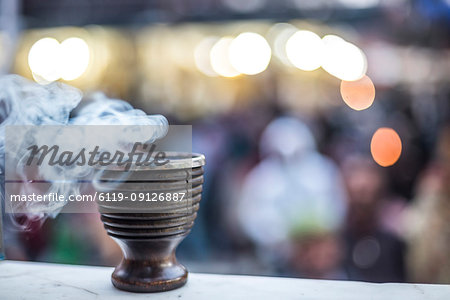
{"x": 249, "y": 53}
{"x": 43, "y": 59}
{"x": 358, "y": 94}
{"x": 343, "y": 59}
{"x": 278, "y": 36}
{"x": 304, "y": 50}
{"x": 366, "y": 252}
{"x": 201, "y": 56}
{"x": 386, "y": 146}
{"x": 74, "y": 58}
{"x": 49, "y": 60}
{"x": 219, "y": 58}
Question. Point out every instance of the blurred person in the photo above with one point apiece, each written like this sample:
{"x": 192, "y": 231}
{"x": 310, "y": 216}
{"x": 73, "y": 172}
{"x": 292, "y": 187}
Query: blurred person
{"x": 428, "y": 221}
{"x": 374, "y": 253}
{"x": 293, "y": 203}
{"x": 230, "y": 143}
{"x": 317, "y": 255}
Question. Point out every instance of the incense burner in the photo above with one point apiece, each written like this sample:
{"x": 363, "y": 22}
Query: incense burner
{"x": 148, "y": 211}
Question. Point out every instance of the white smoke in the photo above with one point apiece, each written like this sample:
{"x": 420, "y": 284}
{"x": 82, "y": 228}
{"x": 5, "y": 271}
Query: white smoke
{"x": 23, "y": 102}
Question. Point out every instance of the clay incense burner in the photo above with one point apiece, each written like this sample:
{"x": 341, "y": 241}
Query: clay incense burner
{"x": 147, "y": 225}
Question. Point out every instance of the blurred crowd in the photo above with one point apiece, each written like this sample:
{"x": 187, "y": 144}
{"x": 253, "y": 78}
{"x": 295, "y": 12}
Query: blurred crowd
{"x": 286, "y": 195}
{"x": 291, "y": 188}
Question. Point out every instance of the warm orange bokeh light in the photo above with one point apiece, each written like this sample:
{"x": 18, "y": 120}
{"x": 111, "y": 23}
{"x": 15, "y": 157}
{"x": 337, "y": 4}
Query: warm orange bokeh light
{"x": 358, "y": 94}
{"x": 386, "y": 147}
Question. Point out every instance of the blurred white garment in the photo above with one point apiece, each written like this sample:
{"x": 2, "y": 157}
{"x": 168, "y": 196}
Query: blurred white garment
{"x": 294, "y": 190}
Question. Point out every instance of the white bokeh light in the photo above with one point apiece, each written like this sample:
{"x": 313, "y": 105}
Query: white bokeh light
{"x": 74, "y": 58}
{"x": 343, "y": 59}
{"x": 249, "y": 53}
{"x": 304, "y": 50}
{"x": 43, "y": 59}
{"x": 49, "y": 60}
{"x": 219, "y": 58}
{"x": 278, "y": 35}
{"x": 201, "y": 56}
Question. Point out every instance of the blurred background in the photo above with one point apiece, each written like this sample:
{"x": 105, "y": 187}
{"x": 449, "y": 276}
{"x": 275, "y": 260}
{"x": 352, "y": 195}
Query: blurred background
{"x": 325, "y": 124}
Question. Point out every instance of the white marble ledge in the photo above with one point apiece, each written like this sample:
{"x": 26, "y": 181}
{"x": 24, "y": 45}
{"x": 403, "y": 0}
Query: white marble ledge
{"x": 27, "y": 280}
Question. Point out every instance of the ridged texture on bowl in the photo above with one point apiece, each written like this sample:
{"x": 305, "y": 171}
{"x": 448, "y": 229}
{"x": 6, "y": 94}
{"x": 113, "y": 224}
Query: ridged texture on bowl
{"x": 149, "y": 232}
{"x": 152, "y": 219}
